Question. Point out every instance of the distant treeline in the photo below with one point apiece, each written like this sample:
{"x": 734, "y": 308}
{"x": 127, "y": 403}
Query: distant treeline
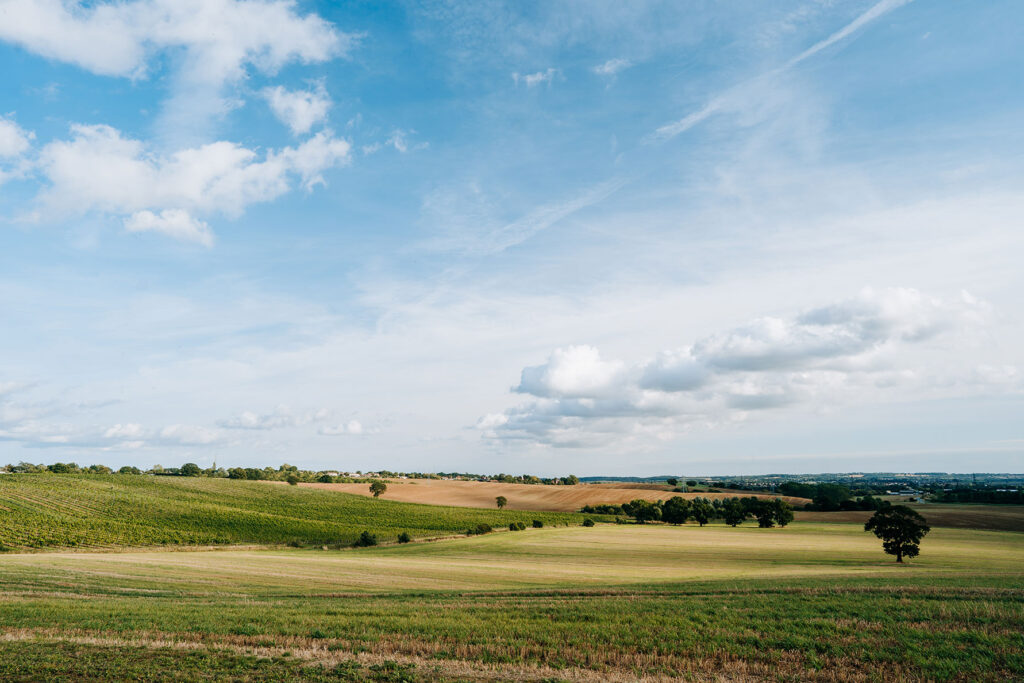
{"x": 677, "y": 510}
{"x": 981, "y": 495}
{"x": 285, "y": 472}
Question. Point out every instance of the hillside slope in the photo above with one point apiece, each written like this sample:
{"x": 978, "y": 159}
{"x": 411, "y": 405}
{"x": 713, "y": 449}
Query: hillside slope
{"x": 481, "y": 494}
{"x": 55, "y": 510}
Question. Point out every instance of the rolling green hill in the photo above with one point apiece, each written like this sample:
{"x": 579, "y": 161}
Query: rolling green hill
{"x": 54, "y": 510}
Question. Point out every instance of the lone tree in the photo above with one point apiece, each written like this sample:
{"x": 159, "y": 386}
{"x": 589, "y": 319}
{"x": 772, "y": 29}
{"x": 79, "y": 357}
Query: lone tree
{"x": 672, "y": 481}
{"x": 377, "y": 488}
{"x": 901, "y": 530}
{"x": 502, "y": 501}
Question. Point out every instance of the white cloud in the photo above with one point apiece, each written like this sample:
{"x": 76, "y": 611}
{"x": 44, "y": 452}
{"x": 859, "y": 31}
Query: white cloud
{"x": 175, "y": 223}
{"x": 189, "y": 435}
{"x": 129, "y": 430}
{"x": 575, "y": 372}
{"x": 300, "y": 110}
{"x": 820, "y": 357}
{"x": 352, "y": 427}
{"x": 100, "y": 170}
{"x": 219, "y": 40}
{"x": 281, "y": 417}
{"x": 14, "y": 140}
{"x": 535, "y": 79}
{"x": 612, "y": 67}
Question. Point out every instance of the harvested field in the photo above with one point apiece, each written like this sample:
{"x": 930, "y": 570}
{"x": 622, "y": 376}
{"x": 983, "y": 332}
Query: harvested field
{"x": 481, "y": 494}
{"x": 816, "y": 602}
{"x": 993, "y": 517}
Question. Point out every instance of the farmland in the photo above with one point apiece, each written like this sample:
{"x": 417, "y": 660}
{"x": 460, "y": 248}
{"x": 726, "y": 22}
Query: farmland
{"x": 177, "y": 578}
{"x": 610, "y": 603}
{"x": 45, "y": 511}
{"x": 481, "y": 494}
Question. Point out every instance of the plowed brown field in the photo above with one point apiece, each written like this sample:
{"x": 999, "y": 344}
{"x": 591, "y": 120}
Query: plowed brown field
{"x": 482, "y": 494}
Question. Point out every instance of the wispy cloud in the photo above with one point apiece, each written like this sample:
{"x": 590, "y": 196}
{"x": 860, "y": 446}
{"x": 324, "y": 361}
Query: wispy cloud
{"x": 532, "y": 80}
{"x": 723, "y": 101}
{"x": 474, "y": 231}
{"x": 612, "y": 67}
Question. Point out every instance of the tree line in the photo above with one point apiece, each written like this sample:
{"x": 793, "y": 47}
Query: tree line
{"x": 678, "y": 510}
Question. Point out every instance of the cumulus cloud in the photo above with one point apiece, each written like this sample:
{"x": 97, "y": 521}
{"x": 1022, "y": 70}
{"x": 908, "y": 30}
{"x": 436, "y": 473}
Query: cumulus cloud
{"x": 14, "y": 140}
{"x": 535, "y": 79}
{"x": 821, "y": 356}
{"x": 216, "y": 41}
{"x": 14, "y": 143}
{"x": 98, "y": 169}
{"x": 300, "y": 110}
{"x": 575, "y": 372}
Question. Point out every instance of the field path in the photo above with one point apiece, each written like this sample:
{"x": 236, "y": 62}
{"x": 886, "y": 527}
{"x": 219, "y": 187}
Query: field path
{"x": 482, "y": 494}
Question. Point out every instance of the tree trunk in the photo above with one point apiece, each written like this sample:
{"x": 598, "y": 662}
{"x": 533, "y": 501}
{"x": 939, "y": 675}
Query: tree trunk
{"x": 899, "y": 556}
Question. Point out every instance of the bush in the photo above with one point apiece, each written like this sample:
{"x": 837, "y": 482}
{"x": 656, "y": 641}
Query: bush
{"x": 365, "y": 540}
{"x": 516, "y": 526}
{"x": 537, "y": 524}
{"x": 292, "y": 480}
{"x": 588, "y": 522}
{"x": 479, "y": 529}
{"x": 404, "y": 537}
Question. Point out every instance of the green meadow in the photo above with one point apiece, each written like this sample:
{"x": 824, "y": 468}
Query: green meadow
{"x": 812, "y": 601}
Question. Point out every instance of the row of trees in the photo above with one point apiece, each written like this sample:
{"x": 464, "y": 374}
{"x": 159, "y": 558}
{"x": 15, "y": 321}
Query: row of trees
{"x": 678, "y": 510}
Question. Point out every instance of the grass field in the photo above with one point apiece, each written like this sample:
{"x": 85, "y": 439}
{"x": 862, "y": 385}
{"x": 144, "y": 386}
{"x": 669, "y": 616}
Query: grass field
{"x": 481, "y": 494}
{"x": 96, "y": 511}
{"x": 627, "y": 603}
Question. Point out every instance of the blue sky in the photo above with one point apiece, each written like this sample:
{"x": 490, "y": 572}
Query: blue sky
{"x": 590, "y": 237}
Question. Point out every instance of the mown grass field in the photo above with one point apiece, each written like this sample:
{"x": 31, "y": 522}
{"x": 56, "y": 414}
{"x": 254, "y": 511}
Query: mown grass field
{"x": 613, "y": 602}
{"x": 97, "y": 511}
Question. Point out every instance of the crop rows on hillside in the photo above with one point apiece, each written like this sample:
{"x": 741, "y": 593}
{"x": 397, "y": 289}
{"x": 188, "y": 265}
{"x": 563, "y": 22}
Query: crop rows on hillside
{"x": 84, "y": 511}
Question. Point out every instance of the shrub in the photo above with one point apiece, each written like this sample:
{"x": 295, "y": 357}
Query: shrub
{"x": 317, "y": 634}
{"x": 537, "y": 524}
{"x": 365, "y": 540}
{"x": 292, "y": 480}
{"x": 404, "y": 537}
{"x": 479, "y": 529}
{"x": 588, "y": 522}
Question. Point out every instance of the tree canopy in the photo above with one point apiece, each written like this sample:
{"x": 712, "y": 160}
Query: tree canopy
{"x": 901, "y": 530}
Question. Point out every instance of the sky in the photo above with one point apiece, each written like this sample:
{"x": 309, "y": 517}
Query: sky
{"x": 529, "y": 236}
